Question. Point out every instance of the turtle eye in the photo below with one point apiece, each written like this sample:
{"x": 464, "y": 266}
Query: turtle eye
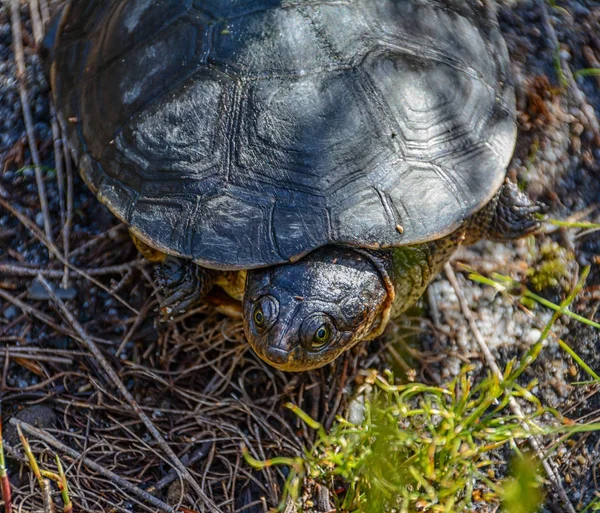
{"x": 317, "y": 331}
{"x": 322, "y": 336}
{"x": 266, "y": 311}
{"x": 259, "y": 317}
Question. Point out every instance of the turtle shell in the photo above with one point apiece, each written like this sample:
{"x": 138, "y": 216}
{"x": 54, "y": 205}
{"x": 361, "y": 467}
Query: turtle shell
{"x": 246, "y": 133}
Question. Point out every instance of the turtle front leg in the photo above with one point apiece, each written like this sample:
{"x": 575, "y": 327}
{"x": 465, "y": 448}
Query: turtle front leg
{"x": 182, "y": 283}
{"x": 514, "y": 215}
{"x": 509, "y": 215}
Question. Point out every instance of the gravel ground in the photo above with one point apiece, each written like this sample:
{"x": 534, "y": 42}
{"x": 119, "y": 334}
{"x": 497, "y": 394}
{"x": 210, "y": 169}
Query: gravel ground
{"x": 556, "y": 160}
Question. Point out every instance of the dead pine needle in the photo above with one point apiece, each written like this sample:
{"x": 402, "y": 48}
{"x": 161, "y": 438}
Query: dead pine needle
{"x": 114, "y": 378}
{"x": 35, "y": 231}
{"x": 111, "y": 476}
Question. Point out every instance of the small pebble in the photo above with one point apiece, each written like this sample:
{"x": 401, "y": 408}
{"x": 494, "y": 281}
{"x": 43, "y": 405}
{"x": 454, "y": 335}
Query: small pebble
{"x": 11, "y": 313}
{"x": 356, "y": 410}
{"x": 579, "y": 10}
{"x": 564, "y": 54}
{"x": 532, "y": 336}
{"x": 38, "y": 292}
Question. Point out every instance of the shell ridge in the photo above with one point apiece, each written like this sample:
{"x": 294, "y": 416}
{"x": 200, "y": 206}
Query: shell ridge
{"x": 240, "y": 96}
{"x": 271, "y": 231}
{"x": 175, "y": 87}
{"x": 434, "y": 55}
{"x": 106, "y": 65}
{"x": 388, "y": 207}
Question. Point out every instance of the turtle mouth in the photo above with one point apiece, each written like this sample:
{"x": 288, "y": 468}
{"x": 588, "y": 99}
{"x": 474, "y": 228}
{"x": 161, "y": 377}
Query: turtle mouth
{"x": 296, "y": 359}
{"x": 276, "y": 357}
{"x": 281, "y": 351}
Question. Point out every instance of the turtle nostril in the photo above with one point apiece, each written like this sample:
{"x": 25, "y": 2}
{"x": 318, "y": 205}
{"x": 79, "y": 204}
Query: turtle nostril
{"x": 277, "y": 356}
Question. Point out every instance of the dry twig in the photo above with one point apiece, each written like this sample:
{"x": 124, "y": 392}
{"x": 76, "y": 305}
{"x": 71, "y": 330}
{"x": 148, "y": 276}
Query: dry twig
{"x": 69, "y": 200}
{"x": 17, "y": 270}
{"x": 21, "y": 75}
{"x": 47, "y": 497}
{"x": 36, "y": 20}
{"x": 550, "y": 467}
{"x": 45, "y": 10}
{"x": 60, "y": 178}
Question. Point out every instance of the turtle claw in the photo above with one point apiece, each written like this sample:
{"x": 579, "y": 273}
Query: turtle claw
{"x": 515, "y": 215}
{"x": 182, "y": 283}
{"x": 178, "y": 302}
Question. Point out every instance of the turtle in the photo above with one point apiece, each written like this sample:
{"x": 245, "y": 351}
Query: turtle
{"x": 317, "y": 160}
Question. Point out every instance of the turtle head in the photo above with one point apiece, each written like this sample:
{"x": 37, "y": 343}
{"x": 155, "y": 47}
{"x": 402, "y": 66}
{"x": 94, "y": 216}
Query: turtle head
{"x": 302, "y": 315}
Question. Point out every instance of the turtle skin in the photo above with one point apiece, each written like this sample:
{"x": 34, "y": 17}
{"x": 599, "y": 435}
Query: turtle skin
{"x": 284, "y": 137}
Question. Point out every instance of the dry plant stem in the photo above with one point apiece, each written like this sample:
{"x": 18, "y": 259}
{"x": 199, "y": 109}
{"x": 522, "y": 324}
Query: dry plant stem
{"x": 108, "y": 234}
{"x": 60, "y": 178}
{"x": 58, "y": 164}
{"x": 550, "y": 467}
{"x": 60, "y": 151}
{"x": 114, "y": 478}
{"x": 90, "y": 346}
{"x": 14, "y": 454}
{"x": 69, "y": 220}
{"x": 578, "y": 95}
{"x": 21, "y": 74}
{"x": 25, "y": 221}
{"x": 45, "y": 10}
{"x": 14, "y": 353}
{"x": 341, "y": 384}
{"x": 47, "y": 497}
{"x": 17, "y": 270}
{"x": 36, "y": 21}
{"x": 4, "y": 482}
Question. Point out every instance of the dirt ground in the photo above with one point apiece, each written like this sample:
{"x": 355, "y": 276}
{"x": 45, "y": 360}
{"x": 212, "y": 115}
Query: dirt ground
{"x": 197, "y": 380}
